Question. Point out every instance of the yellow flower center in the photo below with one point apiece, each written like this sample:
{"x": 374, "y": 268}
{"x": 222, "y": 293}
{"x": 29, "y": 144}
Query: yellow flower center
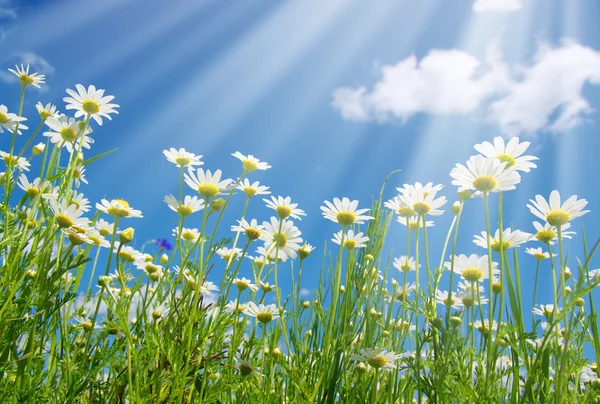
{"x": 208, "y": 190}
{"x": 472, "y": 274}
{"x": 485, "y": 183}
{"x": 406, "y": 267}
{"x": 421, "y": 208}
{"x": 182, "y": 161}
{"x": 33, "y": 192}
{"x": 250, "y": 191}
{"x": 252, "y": 233}
{"x": 184, "y": 210}
{"x": 377, "y": 361}
{"x": 280, "y": 240}
{"x": 64, "y": 221}
{"x": 188, "y": 236}
{"x": 506, "y": 158}
{"x": 10, "y": 160}
{"x": 406, "y": 211}
{"x": 496, "y": 245}
{"x": 151, "y": 268}
{"x": 105, "y": 231}
{"x": 120, "y": 210}
{"x": 545, "y": 236}
{"x": 468, "y": 301}
{"x": 245, "y": 369}
{"x": 26, "y": 79}
{"x": 345, "y": 218}
{"x": 75, "y": 239}
{"x": 413, "y": 225}
{"x": 249, "y": 166}
{"x": 283, "y": 211}
{"x": 558, "y": 217}
{"x": 97, "y": 240}
{"x": 241, "y": 285}
{"x": 87, "y": 325}
{"x": 68, "y": 134}
{"x": 350, "y": 244}
{"x": 126, "y": 256}
{"x": 264, "y": 317}
{"x": 3, "y": 118}
{"x": 539, "y": 256}
{"x": 91, "y": 107}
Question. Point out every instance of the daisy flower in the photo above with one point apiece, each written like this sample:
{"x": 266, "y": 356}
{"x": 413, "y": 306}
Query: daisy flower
{"x": 510, "y": 239}
{"x": 243, "y": 284}
{"x": 266, "y": 287}
{"x": 405, "y": 264}
{"x": 90, "y": 102}
{"x": 423, "y": 202}
{"x": 191, "y": 204}
{"x": 284, "y": 207}
{"x": 206, "y": 183}
{"x": 104, "y": 228}
{"x": 351, "y": 240}
{"x": 38, "y": 149}
{"x": 246, "y": 368}
{"x": 286, "y": 239}
{"x": 251, "y": 189}
{"x": 485, "y": 174}
{"x": 262, "y": 313}
{"x": 182, "y": 158}
{"x": 484, "y": 327}
{"x": 97, "y": 239}
{"x": 544, "y": 310}
{"x": 547, "y": 233}
{"x": 305, "y": 250}
{"x": 270, "y": 255}
{"x": 190, "y": 235}
{"x": 344, "y": 212}
{"x": 402, "y": 292}
{"x": 26, "y": 79}
{"x": 377, "y": 358}
{"x": 79, "y": 176}
{"x": 554, "y": 212}
{"x": 510, "y": 153}
{"x": 21, "y": 163}
{"x": 46, "y": 111}
{"x": 428, "y": 188}
{"x": 235, "y": 307}
{"x": 130, "y": 254}
{"x": 442, "y": 297}
{"x": 68, "y": 216}
{"x": 65, "y": 131}
{"x": 34, "y": 188}
{"x": 118, "y": 208}
{"x": 538, "y": 253}
{"x": 468, "y": 295}
{"x": 414, "y": 223}
{"x": 226, "y": 253}
{"x": 473, "y": 268}
{"x": 397, "y": 205}
{"x": 80, "y": 202}
{"x": 251, "y": 163}
{"x": 252, "y": 230}
{"x": 10, "y": 121}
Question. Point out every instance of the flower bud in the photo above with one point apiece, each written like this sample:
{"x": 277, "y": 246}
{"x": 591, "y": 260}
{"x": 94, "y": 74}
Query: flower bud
{"x": 456, "y": 208}
{"x": 455, "y": 321}
{"x": 104, "y": 281}
{"x": 368, "y": 258}
{"x": 360, "y": 368}
{"x": 38, "y": 149}
{"x": 580, "y": 302}
{"x": 126, "y": 236}
{"x": 342, "y": 289}
{"x": 217, "y": 205}
{"x": 305, "y": 304}
{"x": 464, "y": 195}
{"x": 164, "y": 259}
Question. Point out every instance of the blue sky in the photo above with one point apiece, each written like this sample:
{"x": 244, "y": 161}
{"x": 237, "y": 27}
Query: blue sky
{"x": 264, "y": 78}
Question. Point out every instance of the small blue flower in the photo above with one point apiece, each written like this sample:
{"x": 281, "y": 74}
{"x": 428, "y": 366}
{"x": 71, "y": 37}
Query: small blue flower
{"x": 163, "y": 243}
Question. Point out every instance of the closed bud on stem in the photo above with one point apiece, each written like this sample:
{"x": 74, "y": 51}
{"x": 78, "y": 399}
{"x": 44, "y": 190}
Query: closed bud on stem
{"x": 217, "y": 205}
{"x": 164, "y": 259}
{"x": 126, "y": 236}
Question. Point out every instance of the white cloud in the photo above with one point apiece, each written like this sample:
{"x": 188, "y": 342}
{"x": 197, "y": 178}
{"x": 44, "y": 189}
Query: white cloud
{"x": 481, "y": 6}
{"x": 304, "y": 292}
{"x": 7, "y": 10}
{"x": 544, "y": 95}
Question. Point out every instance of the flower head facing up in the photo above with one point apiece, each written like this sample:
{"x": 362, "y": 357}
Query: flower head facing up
{"x": 190, "y": 204}
{"x": 377, "y": 358}
{"x": 555, "y": 213}
{"x": 510, "y": 153}
{"x": 263, "y": 313}
{"x": 206, "y": 183}
{"x": 282, "y": 236}
{"x": 344, "y": 212}
{"x": 350, "y": 240}
{"x": 182, "y": 158}
{"x": 485, "y": 174}
{"x": 473, "y": 268}
{"x": 284, "y": 207}
{"x": 510, "y": 239}
{"x": 68, "y": 216}
{"x": 118, "y": 208}
{"x": 251, "y": 189}
{"x": 423, "y": 199}
{"x": 251, "y": 163}
{"x": 10, "y": 121}
{"x": 90, "y": 102}
{"x": 26, "y": 78}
